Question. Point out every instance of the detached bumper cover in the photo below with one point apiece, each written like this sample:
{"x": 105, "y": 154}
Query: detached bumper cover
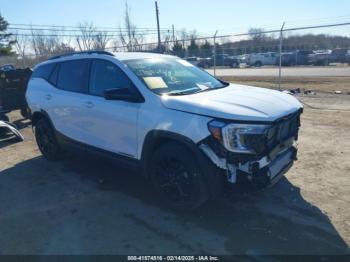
{"x": 10, "y": 128}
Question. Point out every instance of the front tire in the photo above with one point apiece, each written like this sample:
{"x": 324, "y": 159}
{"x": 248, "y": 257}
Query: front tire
{"x": 25, "y": 112}
{"x": 177, "y": 177}
{"x": 46, "y": 140}
{"x": 258, "y": 64}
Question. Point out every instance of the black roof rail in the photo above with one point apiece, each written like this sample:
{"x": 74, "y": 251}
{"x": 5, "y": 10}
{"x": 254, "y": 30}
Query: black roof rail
{"x": 91, "y": 52}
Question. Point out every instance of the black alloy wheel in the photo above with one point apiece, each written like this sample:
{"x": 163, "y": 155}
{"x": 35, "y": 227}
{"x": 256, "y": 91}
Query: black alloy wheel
{"x": 177, "y": 177}
{"x": 46, "y": 140}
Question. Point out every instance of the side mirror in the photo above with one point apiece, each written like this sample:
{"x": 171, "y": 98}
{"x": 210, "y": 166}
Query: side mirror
{"x": 123, "y": 94}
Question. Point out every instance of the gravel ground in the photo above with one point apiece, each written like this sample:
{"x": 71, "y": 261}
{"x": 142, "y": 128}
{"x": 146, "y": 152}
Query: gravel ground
{"x": 85, "y": 205}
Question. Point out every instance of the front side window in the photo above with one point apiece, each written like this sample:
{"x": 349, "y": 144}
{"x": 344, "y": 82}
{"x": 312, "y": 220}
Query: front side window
{"x": 73, "y": 76}
{"x": 105, "y": 75}
{"x": 173, "y": 76}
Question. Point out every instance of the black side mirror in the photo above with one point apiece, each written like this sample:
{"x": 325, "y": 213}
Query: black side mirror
{"x": 123, "y": 94}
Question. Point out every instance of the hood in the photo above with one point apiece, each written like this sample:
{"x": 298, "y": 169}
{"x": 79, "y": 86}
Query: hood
{"x": 236, "y": 102}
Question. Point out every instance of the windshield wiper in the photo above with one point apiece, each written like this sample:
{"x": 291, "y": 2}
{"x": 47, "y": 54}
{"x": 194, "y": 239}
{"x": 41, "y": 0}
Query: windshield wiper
{"x": 209, "y": 89}
{"x": 196, "y": 91}
{"x": 182, "y": 92}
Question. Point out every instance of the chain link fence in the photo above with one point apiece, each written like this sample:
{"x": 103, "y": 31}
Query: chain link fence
{"x": 277, "y": 53}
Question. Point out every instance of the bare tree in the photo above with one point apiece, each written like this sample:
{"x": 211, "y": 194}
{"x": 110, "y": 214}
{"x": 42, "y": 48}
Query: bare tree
{"x": 167, "y": 36}
{"x": 21, "y": 46}
{"x": 129, "y": 37}
{"x": 101, "y": 40}
{"x": 257, "y": 34}
{"x": 183, "y": 35}
{"x": 45, "y": 44}
{"x": 86, "y": 39}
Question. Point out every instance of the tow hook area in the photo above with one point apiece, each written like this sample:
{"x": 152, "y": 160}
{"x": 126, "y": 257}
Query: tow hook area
{"x": 220, "y": 163}
{"x": 262, "y": 173}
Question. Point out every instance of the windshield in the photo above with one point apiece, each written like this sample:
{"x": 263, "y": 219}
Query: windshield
{"x": 173, "y": 76}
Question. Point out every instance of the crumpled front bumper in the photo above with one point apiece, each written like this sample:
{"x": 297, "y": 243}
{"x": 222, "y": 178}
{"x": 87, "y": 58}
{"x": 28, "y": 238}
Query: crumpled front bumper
{"x": 264, "y": 171}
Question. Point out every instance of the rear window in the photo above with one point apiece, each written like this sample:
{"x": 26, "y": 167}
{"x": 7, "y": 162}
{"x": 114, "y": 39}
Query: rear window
{"x": 54, "y": 75}
{"x": 73, "y": 76}
{"x": 43, "y": 71}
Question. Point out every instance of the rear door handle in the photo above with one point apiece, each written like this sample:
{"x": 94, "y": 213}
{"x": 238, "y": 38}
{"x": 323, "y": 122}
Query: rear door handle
{"x": 48, "y": 97}
{"x": 89, "y": 104}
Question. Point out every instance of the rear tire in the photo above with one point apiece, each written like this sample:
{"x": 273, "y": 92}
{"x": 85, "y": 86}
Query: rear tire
{"x": 234, "y": 65}
{"x": 178, "y": 178}
{"x": 25, "y": 112}
{"x": 46, "y": 140}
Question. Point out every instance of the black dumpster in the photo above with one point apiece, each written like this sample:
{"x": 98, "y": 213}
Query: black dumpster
{"x": 13, "y": 85}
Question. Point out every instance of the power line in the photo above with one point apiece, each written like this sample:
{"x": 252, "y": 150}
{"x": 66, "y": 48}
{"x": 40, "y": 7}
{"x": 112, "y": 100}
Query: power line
{"x": 76, "y": 35}
{"x": 77, "y": 27}
{"x": 247, "y": 34}
{"x": 337, "y": 19}
{"x": 79, "y": 30}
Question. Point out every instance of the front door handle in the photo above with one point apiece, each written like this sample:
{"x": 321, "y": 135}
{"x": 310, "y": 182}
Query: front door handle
{"x": 48, "y": 97}
{"x": 89, "y": 104}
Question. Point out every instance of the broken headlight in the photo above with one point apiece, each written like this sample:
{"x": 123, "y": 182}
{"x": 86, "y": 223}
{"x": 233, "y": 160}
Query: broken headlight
{"x": 240, "y": 138}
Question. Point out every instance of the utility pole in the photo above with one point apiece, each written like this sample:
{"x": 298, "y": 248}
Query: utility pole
{"x": 280, "y": 57}
{"x": 173, "y": 34}
{"x": 157, "y": 14}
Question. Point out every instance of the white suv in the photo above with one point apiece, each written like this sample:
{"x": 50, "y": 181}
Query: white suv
{"x": 187, "y": 131}
{"x": 261, "y": 59}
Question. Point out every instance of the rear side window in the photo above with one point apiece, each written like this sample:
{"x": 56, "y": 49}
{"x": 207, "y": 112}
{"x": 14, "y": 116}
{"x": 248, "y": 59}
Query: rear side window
{"x": 106, "y": 75}
{"x": 73, "y": 76}
{"x": 43, "y": 71}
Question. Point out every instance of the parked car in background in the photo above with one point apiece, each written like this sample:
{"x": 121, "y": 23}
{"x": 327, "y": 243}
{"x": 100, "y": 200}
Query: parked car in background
{"x": 184, "y": 130}
{"x": 13, "y": 84}
{"x": 205, "y": 62}
{"x": 226, "y": 60}
{"x": 243, "y": 58}
{"x": 299, "y": 57}
{"x": 261, "y": 59}
{"x": 221, "y": 60}
{"x": 338, "y": 55}
{"x": 347, "y": 57}
{"x": 193, "y": 60}
{"x": 7, "y": 67}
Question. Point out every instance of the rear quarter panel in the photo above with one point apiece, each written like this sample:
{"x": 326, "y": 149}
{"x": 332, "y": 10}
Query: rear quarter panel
{"x": 35, "y": 92}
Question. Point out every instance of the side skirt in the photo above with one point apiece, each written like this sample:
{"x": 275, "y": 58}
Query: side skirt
{"x": 77, "y": 147}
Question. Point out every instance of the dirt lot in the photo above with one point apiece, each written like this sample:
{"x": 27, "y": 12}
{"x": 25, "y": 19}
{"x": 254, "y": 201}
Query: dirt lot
{"x": 317, "y": 84}
{"x": 334, "y": 70}
{"x": 85, "y": 205}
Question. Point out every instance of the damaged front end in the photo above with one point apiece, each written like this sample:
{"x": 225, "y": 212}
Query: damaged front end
{"x": 261, "y": 153}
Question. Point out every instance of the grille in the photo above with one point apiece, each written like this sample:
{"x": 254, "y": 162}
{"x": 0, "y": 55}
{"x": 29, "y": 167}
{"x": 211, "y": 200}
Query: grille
{"x": 284, "y": 129}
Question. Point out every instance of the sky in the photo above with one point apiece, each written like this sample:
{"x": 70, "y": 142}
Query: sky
{"x": 227, "y": 16}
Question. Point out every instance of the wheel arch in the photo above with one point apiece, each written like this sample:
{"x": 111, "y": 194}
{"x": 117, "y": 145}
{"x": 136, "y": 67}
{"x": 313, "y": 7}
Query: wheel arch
{"x": 36, "y": 116}
{"x": 156, "y": 138}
